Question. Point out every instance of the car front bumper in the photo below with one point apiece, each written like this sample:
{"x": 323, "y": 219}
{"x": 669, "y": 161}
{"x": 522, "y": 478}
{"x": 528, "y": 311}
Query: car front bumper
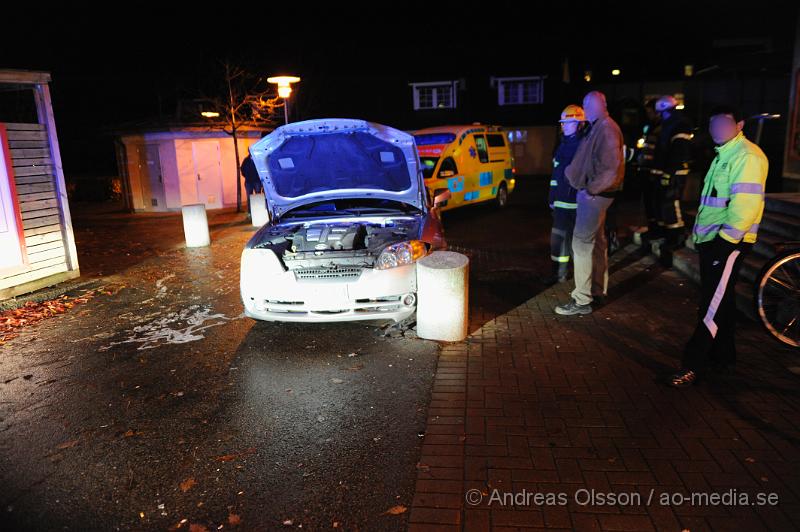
{"x": 374, "y": 295}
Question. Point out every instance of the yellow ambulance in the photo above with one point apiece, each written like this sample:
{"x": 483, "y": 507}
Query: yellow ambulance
{"x": 473, "y": 162}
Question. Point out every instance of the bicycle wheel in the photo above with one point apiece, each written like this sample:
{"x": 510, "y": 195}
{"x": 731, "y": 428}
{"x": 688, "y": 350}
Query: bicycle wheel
{"x": 778, "y": 298}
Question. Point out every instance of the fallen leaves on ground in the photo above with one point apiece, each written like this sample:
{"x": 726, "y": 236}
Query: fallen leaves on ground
{"x": 11, "y": 321}
{"x": 234, "y": 456}
{"x": 187, "y": 484}
{"x": 396, "y": 510}
{"x": 179, "y": 524}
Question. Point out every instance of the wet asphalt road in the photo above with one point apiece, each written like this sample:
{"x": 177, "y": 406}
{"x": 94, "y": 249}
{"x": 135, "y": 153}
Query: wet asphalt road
{"x": 159, "y": 406}
{"x": 161, "y": 403}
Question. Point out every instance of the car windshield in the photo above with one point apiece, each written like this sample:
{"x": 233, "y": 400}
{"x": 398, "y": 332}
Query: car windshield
{"x": 351, "y": 207}
{"x": 428, "y": 166}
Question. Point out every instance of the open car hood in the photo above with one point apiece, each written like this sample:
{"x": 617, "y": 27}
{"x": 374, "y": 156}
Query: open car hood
{"x": 335, "y": 158}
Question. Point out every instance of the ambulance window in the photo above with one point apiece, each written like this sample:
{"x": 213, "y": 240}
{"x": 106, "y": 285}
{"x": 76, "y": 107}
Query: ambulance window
{"x": 448, "y": 168}
{"x": 428, "y": 165}
{"x": 480, "y": 144}
{"x": 495, "y": 140}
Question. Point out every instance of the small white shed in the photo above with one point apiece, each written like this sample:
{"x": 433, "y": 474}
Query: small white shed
{"x": 162, "y": 170}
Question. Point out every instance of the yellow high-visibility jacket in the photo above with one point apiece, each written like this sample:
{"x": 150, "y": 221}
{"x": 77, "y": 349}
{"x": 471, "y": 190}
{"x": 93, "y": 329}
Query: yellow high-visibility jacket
{"x": 732, "y": 201}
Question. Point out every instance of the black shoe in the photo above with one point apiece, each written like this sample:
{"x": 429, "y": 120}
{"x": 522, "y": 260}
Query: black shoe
{"x": 653, "y": 234}
{"x": 550, "y": 280}
{"x": 674, "y": 240}
{"x": 555, "y": 278}
{"x": 683, "y": 379}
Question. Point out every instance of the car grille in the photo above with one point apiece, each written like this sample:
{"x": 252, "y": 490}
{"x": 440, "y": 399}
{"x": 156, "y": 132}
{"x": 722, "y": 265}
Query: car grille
{"x": 326, "y": 274}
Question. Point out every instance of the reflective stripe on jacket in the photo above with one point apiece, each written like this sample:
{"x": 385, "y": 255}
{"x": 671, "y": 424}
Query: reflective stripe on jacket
{"x": 732, "y": 201}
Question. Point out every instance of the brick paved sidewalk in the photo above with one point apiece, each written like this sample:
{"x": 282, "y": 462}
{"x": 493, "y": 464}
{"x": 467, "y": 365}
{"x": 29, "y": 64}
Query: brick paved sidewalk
{"x": 538, "y": 403}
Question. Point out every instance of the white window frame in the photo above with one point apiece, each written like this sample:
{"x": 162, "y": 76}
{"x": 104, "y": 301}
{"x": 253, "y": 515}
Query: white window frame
{"x": 450, "y": 84}
{"x": 499, "y": 83}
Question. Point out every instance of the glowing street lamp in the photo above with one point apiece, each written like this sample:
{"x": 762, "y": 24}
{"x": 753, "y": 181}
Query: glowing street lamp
{"x": 284, "y": 84}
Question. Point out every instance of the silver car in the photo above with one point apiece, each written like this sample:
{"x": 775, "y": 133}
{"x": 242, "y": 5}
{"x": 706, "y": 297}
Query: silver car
{"x": 349, "y": 218}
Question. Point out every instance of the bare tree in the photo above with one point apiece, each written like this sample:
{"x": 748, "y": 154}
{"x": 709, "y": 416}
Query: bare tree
{"x": 243, "y": 100}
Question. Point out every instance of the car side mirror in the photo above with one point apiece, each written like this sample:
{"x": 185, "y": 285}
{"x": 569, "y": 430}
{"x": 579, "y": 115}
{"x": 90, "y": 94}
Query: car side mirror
{"x": 441, "y": 198}
{"x": 446, "y": 173}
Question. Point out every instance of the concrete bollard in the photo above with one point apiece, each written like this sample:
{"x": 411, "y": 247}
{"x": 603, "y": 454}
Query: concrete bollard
{"x": 195, "y": 225}
{"x": 258, "y": 210}
{"x": 443, "y": 294}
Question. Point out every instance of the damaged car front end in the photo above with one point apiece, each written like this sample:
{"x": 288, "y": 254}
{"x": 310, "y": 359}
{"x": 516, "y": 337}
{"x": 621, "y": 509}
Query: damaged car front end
{"x": 349, "y": 218}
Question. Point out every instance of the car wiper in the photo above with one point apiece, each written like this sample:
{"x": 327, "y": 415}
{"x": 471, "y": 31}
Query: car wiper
{"x": 360, "y": 210}
{"x": 312, "y": 213}
{"x": 356, "y": 211}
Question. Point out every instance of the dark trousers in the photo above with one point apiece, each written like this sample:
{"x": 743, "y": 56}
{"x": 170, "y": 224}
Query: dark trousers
{"x": 561, "y": 239}
{"x": 611, "y": 228}
{"x": 713, "y": 340}
{"x": 651, "y": 186}
{"x": 670, "y": 216}
{"x": 670, "y": 207}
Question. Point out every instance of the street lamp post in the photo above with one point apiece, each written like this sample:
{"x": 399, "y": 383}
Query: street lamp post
{"x": 284, "y": 84}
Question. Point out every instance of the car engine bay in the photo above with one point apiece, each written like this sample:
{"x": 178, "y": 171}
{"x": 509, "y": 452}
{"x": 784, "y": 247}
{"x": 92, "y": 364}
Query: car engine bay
{"x": 335, "y": 244}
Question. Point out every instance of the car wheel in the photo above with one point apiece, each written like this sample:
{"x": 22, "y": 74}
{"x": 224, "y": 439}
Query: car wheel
{"x": 501, "y": 200}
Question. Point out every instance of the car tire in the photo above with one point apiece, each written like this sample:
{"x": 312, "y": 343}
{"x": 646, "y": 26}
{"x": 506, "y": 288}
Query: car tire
{"x": 501, "y": 200}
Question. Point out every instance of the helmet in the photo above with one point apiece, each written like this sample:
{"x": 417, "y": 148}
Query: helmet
{"x": 573, "y": 113}
{"x": 666, "y": 102}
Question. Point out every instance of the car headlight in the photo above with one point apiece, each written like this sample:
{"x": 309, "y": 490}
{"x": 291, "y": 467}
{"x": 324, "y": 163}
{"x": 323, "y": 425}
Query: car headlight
{"x": 401, "y": 254}
{"x": 258, "y": 263}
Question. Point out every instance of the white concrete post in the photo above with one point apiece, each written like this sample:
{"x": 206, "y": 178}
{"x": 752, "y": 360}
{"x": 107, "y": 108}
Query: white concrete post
{"x": 443, "y": 292}
{"x": 258, "y": 210}
{"x": 195, "y": 225}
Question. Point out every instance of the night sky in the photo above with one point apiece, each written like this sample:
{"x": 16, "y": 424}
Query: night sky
{"x": 135, "y": 60}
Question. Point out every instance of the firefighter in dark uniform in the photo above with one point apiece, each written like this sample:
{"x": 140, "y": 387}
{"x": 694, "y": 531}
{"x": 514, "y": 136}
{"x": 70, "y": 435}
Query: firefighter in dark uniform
{"x": 562, "y": 197}
{"x": 650, "y": 179}
{"x": 672, "y": 160}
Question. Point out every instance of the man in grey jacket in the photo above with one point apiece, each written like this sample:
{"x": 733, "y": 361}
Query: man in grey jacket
{"x": 597, "y": 172}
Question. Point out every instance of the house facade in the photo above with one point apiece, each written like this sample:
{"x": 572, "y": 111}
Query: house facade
{"x": 520, "y": 104}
